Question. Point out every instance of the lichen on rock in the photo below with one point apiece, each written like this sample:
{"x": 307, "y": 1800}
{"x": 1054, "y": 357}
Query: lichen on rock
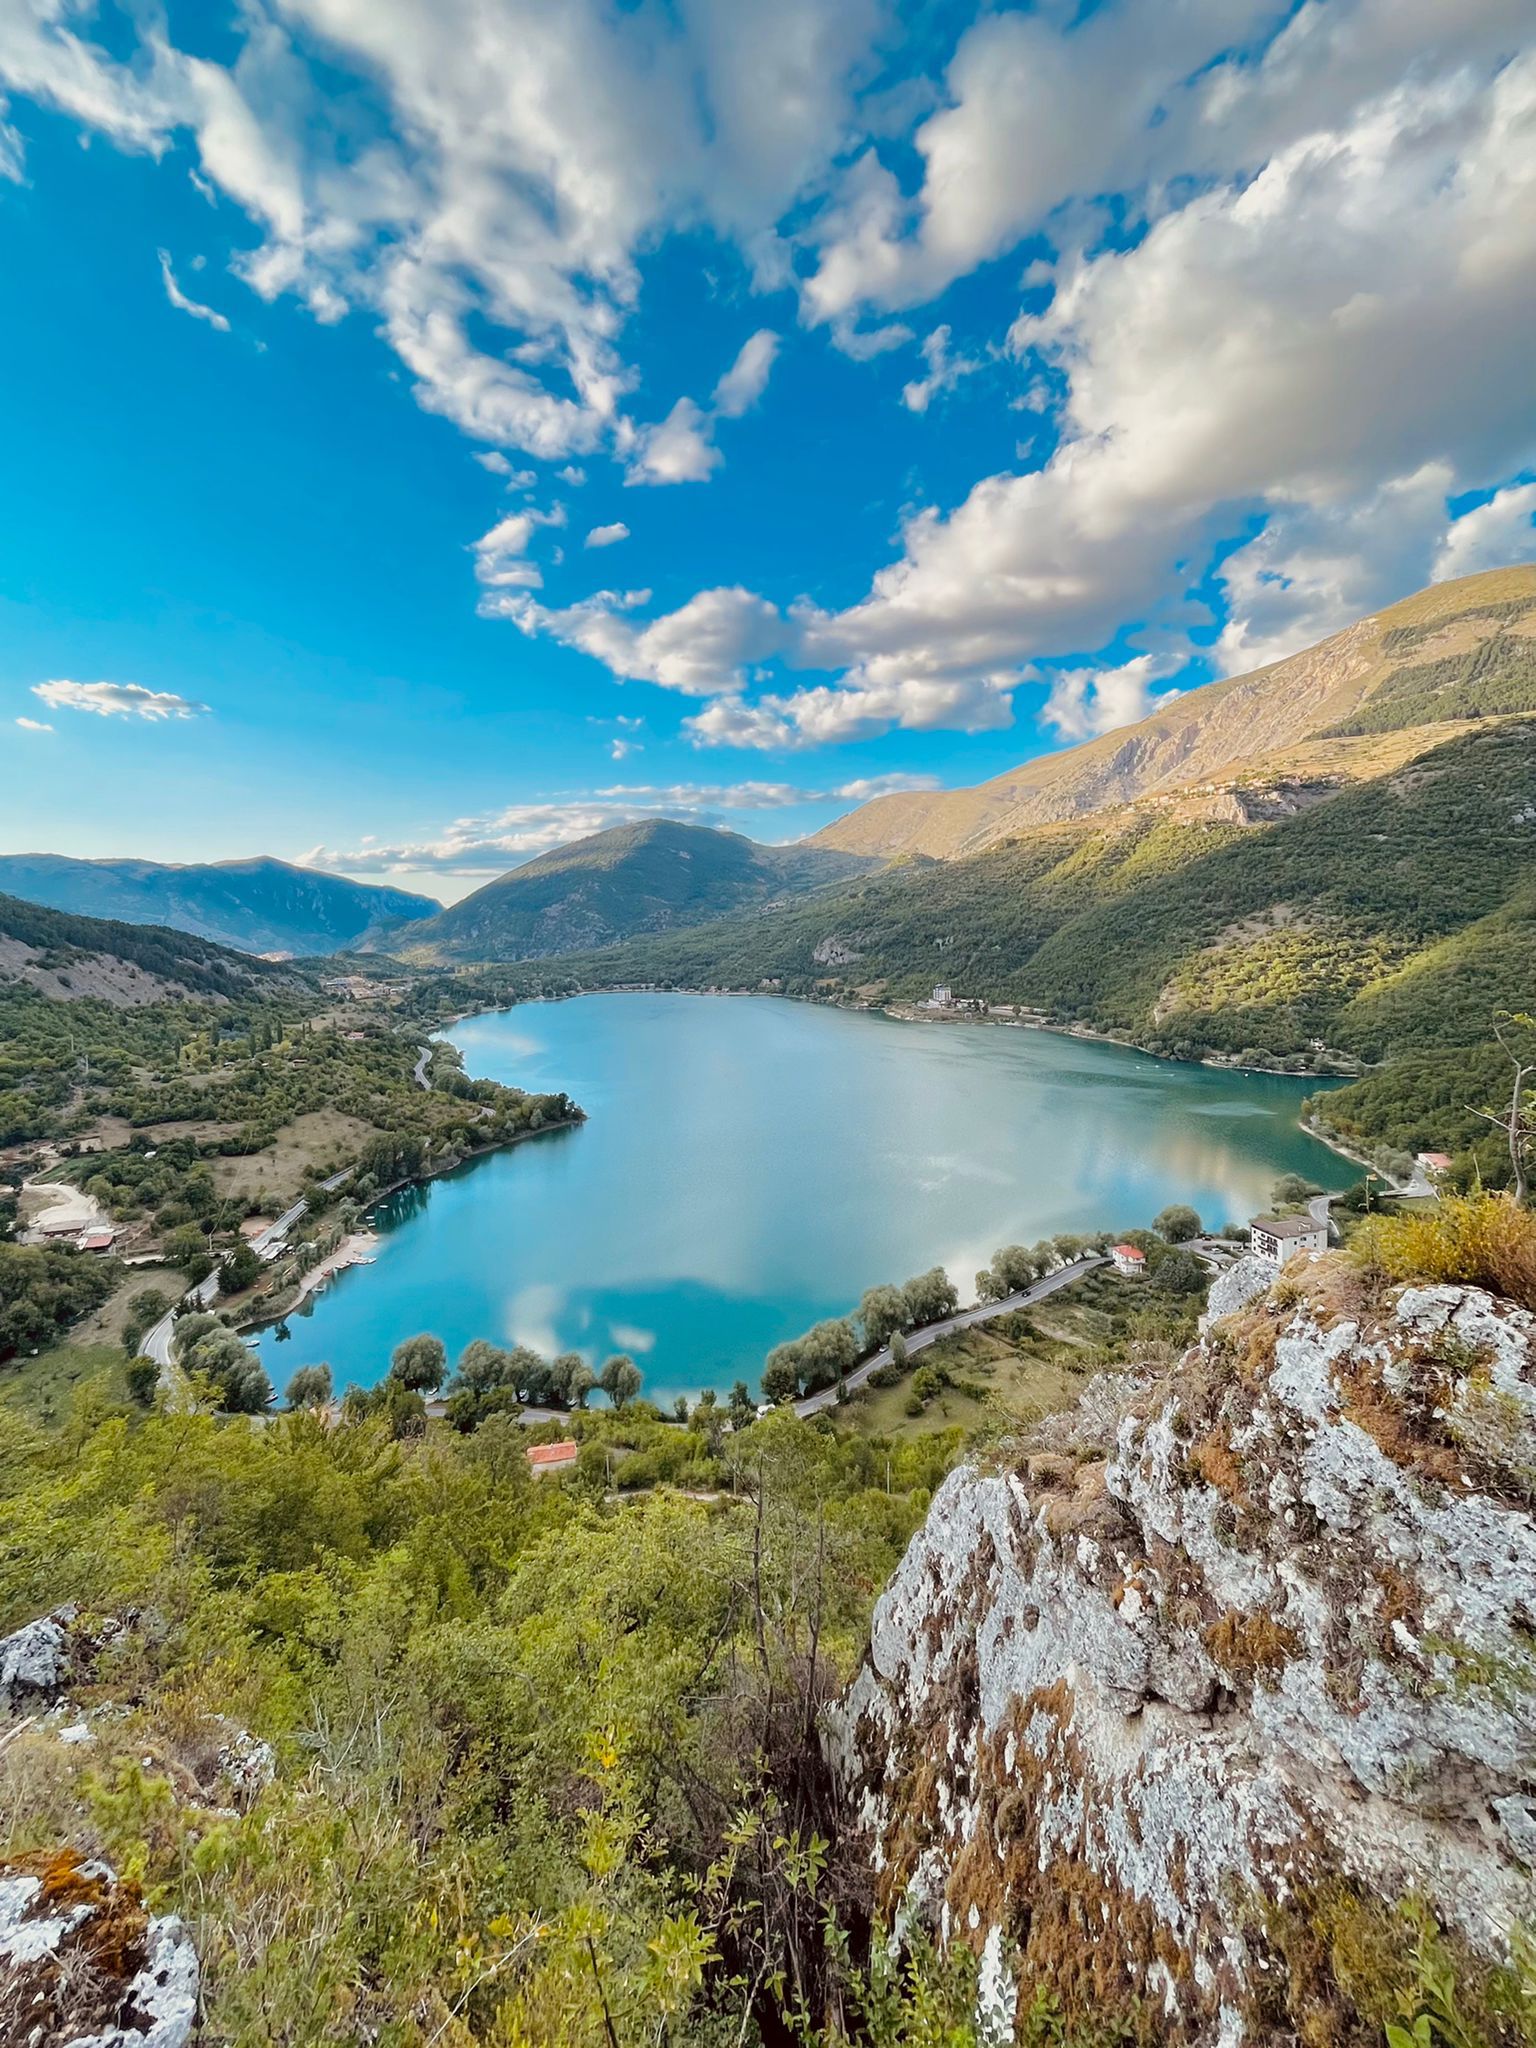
{"x": 1215, "y": 1647}
{"x": 82, "y": 1965}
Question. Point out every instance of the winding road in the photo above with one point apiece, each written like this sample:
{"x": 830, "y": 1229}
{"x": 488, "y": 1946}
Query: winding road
{"x": 156, "y": 1342}
{"x": 963, "y": 1319}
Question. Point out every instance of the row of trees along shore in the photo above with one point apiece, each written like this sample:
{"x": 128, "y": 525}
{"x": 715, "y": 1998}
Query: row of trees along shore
{"x": 492, "y": 1379}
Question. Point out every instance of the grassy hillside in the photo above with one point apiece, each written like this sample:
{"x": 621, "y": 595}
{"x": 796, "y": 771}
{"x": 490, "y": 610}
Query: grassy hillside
{"x": 653, "y": 876}
{"x": 1460, "y": 650}
{"x": 259, "y": 906}
{"x": 1390, "y": 919}
{"x": 37, "y": 944}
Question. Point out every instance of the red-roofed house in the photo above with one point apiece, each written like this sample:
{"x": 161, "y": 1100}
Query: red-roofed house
{"x": 98, "y": 1240}
{"x": 1129, "y": 1261}
{"x": 1435, "y": 1163}
{"x": 553, "y": 1457}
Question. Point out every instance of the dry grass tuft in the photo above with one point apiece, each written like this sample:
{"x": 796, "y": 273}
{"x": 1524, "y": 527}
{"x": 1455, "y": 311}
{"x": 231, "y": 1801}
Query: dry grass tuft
{"x": 1470, "y": 1240}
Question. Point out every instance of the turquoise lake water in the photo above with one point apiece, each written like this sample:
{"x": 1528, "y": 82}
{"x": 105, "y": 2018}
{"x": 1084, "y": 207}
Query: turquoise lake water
{"x": 751, "y": 1165}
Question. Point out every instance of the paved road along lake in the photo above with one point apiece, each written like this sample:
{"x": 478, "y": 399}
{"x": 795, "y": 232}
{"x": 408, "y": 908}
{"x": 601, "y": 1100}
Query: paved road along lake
{"x": 752, "y": 1164}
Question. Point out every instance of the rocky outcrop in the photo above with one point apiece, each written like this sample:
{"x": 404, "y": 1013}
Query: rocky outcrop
{"x": 82, "y": 1965}
{"x": 42, "y": 1659}
{"x": 1226, "y": 1659}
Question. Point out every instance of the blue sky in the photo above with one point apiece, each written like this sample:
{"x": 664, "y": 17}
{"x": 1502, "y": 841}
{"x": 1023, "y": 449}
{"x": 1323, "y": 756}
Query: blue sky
{"x": 434, "y": 431}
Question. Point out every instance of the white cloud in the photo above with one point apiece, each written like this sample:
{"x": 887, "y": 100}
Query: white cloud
{"x": 681, "y": 448}
{"x": 572, "y": 475}
{"x": 515, "y": 160}
{"x": 703, "y": 649}
{"x": 117, "y": 700}
{"x": 1491, "y": 536}
{"x": 33, "y": 725}
{"x": 489, "y": 844}
{"x": 182, "y": 303}
{"x": 1085, "y": 702}
{"x": 606, "y": 536}
{"x": 747, "y": 379}
{"x": 498, "y": 465}
{"x": 945, "y": 371}
{"x": 501, "y": 554}
{"x": 1333, "y": 346}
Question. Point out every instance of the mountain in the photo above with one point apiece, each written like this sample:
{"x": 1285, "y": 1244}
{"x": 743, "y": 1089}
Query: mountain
{"x": 1385, "y": 689}
{"x": 654, "y": 876}
{"x": 70, "y": 958}
{"x": 257, "y": 906}
{"x": 1385, "y": 922}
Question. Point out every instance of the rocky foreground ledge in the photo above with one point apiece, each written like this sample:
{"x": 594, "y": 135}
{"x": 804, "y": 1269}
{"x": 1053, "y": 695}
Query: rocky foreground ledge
{"x": 1169, "y": 1713}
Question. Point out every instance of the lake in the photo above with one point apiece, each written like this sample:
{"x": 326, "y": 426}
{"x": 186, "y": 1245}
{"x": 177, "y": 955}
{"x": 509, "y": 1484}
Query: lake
{"x": 752, "y": 1164}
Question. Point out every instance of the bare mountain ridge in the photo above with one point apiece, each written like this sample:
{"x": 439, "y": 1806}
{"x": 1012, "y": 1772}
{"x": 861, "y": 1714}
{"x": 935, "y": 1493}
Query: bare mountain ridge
{"x": 1387, "y": 688}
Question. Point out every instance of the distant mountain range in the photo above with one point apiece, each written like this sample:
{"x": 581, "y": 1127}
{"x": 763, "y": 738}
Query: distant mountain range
{"x": 1362, "y": 702}
{"x": 257, "y": 906}
{"x": 646, "y": 878}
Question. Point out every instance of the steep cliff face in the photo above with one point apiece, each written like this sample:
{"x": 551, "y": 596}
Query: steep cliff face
{"x": 1168, "y": 1713}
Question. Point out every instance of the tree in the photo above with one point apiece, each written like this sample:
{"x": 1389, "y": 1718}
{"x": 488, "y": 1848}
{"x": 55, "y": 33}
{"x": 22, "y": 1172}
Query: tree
{"x": 781, "y": 1374}
{"x": 529, "y": 1371}
{"x": 188, "y": 1329}
{"x": 620, "y": 1379}
{"x": 1177, "y": 1224}
{"x": 882, "y": 1311}
{"x": 144, "y": 1311}
{"x": 310, "y": 1387}
{"x": 1292, "y": 1191}
{"x": 741, "y": 1406}
{"x": 1012, "y": 1269}
{"x": 1518, "y": 1122}
{"x": 241, "y": 1269}
{"x": 1180, "y": 1273}
{"x": 899, "y": 1351}
{"x": 578, "y": 1377}
{"x": 143, "y": 1377}
{"x": 419, "y": 1364}
{"x": 482, "y": 1367}
{"x": 827, "y": 1351}
{"x": 930, "y": 1297}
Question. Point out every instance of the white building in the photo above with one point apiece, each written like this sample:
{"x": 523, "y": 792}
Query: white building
{"x": 1129, "y": 1261}
{"x": 1278, "y": 1238}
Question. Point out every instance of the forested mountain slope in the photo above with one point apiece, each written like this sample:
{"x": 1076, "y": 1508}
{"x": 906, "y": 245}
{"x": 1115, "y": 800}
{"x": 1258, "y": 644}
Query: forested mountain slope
{"x": 259, "y": 906}
{"x": 1385, "y": 689}
{"x": 122, "y": 964}
{"x": 1389, "y": 919}
{"x": 653, "y": 876}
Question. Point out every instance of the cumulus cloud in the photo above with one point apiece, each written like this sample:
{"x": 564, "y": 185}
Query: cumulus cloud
{"x": 182, "y": 303}
{"x": 1491, "y": 535}
{"x": 34, "y": 725}
{"x": 117, "y": 700}
{"x": 489, "y": 844}
{"x": 1310, "y": 323}
{"x": 501, "y": 555}
{"x": 1085, "y": 702}
{"x": 681, "y": 448}
{"x": 703, "y": 649}
{"x": 606, "y": 536}
{"x": 1329, "y": 347}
